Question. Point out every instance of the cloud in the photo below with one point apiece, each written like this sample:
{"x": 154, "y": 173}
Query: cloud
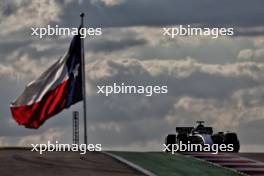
{"x": 108, "y": 2}
{"x": 228, "y": 114}
{"x": 187, "y": 110}
{"x": 52, "y": 135}
{"x": 3, "y": 142}
{"x": 19, "y": 64}
{"x": 255, "y": 53}
{"x": 18, "y": 14}
{"x": 245, "y": 54}
{"x": 117, "y": 13}
{"x": 146, "y": 43}
{"x": 177, "y": 69}
{"x": 249, "y": 54}
{"x": 249, "y": 31}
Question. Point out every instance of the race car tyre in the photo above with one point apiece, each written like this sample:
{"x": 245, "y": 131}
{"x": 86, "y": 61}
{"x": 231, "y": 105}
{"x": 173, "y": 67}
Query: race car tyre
{"x": 231, "y": 138}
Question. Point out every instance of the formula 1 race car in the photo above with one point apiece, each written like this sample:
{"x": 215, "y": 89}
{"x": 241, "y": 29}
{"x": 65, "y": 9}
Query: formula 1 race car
{"x": 202, "y": 135}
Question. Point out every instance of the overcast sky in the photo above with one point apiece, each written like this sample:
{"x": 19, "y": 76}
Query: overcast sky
{"x": 220, "y": 81}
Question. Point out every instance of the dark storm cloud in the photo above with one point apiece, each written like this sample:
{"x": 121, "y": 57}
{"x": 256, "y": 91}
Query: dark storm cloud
{"x": 204, "y": 85}
{"x": 8, "y": 9}
{"x": 10, "y": 46}
{"x": 125, "y": 117}
{"x": 249, "y": 32}
{"x": 235, "y": 13}
{"x": 115, "y": 45}
{"x": 198, "y": 84}
{"x": 242, "y": 13}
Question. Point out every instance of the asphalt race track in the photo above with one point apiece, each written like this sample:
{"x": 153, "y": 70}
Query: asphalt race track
{"x": 246, "y": 163}
{"x": 254, "y": 156}
{"x": 26, "y": 163}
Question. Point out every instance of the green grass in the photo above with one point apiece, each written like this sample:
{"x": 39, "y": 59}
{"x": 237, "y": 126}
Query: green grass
{"x": 163, "y": 164}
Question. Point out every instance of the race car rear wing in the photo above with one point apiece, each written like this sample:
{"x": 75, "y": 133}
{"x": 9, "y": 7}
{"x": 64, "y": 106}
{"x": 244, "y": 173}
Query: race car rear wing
{"x": 184, "y": 129}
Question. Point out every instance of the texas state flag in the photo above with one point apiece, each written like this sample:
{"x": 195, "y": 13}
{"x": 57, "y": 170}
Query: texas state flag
{"x": 59, "y": 87}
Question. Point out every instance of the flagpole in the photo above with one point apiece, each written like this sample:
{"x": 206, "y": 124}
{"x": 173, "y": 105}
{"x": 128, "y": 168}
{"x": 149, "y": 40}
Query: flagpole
{"x": 83, "y": 84}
